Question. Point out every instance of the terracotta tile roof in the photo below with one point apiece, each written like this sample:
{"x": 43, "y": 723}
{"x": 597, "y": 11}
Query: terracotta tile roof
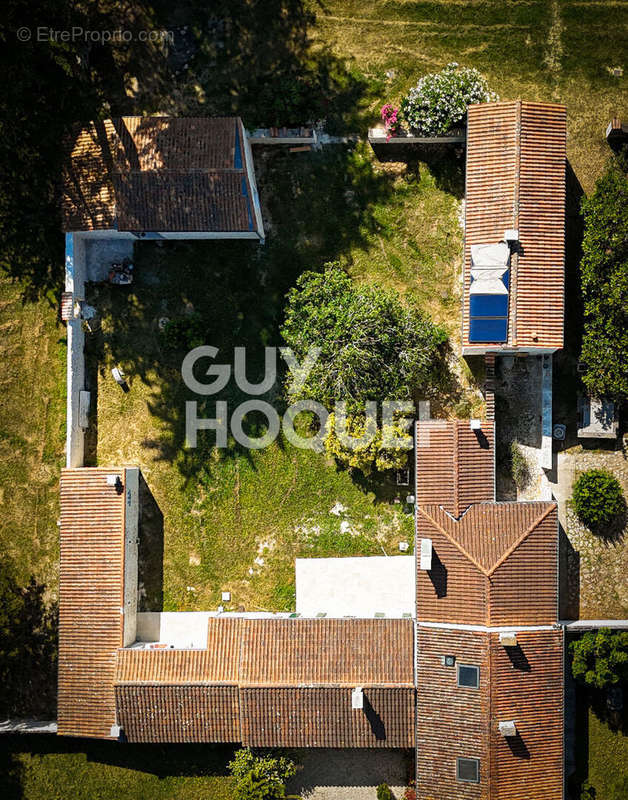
{"x": 496, "y": 564}
{"x": 285, "y": 673}
{"x": 90, "y": 600}
{"x": 159, "y": 174}
{"x": 522, "y": 684}
{"x": 337, "y": 652}
{"x": 451, "y": 721}
{"x": 527, "y": 687}
{"x": 178, "y": 713}
{"x": 323, "y": 717}
{"x": 515, "y": 179}
{"x": 488, "y": 532}
{"x": 455, "y": 465}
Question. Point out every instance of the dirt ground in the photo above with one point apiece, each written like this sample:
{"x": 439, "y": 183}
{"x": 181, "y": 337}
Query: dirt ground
{"x": 350, "y": 774}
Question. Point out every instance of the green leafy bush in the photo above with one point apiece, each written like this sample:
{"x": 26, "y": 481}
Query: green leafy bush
{"x": 372, "y": 455}
{"x": 519, "y": 466}
{"x": 384, "y": 792}
{"x": 600, "y": 658}
{"x": 372, "y": 347}
{"x": 604, "y": 278}
{"x": 597, "y": 498}
{"x": 439, "y": 101}
{"x": 260, "y": 777}
{"x": 184, "y": 333}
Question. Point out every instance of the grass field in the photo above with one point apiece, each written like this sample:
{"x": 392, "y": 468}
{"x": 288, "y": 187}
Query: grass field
{"x": 43, "y": 767}
{"x": 601, "y": 750}
{"x": 236, "y": 519}
{"x": 32, "y": 419}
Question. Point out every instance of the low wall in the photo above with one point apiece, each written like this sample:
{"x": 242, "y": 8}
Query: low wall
{"x": 75, "y": 276}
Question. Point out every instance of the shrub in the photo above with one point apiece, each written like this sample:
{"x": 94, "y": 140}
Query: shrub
{"x": 384, "y": 792}
{"x": 372, "y": 455}
{"x": 597, "y": 498}
{"x": 600, "y": 658}
{"x": 587, "y": 792}
{"x": 519, "y": 466}
{"x": 372, "y": 347}
{"x": 604, "y": 278}
{"x": 439, "y": 101}
{"x": 260, "y": 777}
{"x": 184, "y": 333}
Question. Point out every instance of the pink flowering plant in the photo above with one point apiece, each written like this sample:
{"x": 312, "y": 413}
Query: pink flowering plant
{"x": 392, "y": 120}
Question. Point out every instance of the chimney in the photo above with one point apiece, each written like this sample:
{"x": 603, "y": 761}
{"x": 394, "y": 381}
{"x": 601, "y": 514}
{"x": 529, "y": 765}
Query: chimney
{"x": 357, "y": 698}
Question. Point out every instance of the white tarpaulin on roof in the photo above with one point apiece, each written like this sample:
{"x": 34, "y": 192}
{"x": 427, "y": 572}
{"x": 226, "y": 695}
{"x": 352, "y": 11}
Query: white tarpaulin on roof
{"x": 490, "y": 255}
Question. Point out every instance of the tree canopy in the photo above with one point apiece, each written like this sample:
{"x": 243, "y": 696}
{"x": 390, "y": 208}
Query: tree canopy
{"x": 600, "y": 658}
{"x": 260, "y": 777}
{"x": 604, "y": 276}
{"x": 372, "y": 346}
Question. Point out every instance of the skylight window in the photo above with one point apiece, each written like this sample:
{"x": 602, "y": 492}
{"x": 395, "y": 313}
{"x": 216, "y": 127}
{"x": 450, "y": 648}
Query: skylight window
{"x": 468, "y": 676}
{"x": 468, "y": 770}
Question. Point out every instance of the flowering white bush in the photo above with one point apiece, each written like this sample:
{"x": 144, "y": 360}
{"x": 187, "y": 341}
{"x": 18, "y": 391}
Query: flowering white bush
{"x": 439, "y": 101}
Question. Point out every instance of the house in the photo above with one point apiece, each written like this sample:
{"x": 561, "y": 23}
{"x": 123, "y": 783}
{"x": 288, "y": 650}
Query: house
{"x": 489, "y": 647}
{"x": 513, "y": 299}
{"x": 474, "y": 683}
{"x": 263, "y": 680}
{"x": 162, "y": 177}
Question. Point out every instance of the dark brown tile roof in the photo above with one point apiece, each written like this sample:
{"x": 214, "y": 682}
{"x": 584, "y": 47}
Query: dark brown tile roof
{"x": 522, "y": 684}
{"x": 337, "y": 652}
{"x": 455, "y": 465}
{"x": 285, "y": 673}
{"x": 323, "y": 717}
{"x": 451, "y": 721}
{"x": 496, "y": 564}
{"x": 159, "y": 174}
{"x": 515, "y": 178}
{"x": 178, "y": 713}
{"x": 90, "y": 600}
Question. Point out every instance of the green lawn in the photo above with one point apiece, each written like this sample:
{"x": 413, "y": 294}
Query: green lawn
{"x": 608, "y": 757}
{"x": 536, "y": 50}
{"x": 601, "y": 750}
{"x": 236, "y": 519}
{"x": 43, "y": 767}
{"x": 32, "y": 426}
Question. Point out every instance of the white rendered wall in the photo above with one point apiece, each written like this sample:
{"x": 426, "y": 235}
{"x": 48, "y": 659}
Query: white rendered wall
{"x": 356, "y": 587}
{"x": 131, "y": 542}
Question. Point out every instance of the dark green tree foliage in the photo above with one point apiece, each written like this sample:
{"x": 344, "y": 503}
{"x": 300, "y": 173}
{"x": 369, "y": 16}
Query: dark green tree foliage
{"x": 600, "y": 658}
{"x": 597, "y": 498}
{"x": 28, "y": 649}
{"x": 604, "y": 276}
{"x": 372, "y": 347}
{"x": 260, "y": 777}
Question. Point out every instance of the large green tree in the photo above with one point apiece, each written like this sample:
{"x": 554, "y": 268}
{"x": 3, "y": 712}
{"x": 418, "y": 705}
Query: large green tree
{"x": 372, "y": 346}
{"x": 600, "y": 658}
{"x": 604, "y": 276}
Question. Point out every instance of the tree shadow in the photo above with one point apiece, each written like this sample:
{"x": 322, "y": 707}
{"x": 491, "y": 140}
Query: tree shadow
{"x": 28, "y": 653}
{"x": 236, "y": 57}
{"x": 569, "y": 589}
{"x": 237, "y": 288}
{"x": 151, "y": 551}
{"x": 566, "y": 380}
